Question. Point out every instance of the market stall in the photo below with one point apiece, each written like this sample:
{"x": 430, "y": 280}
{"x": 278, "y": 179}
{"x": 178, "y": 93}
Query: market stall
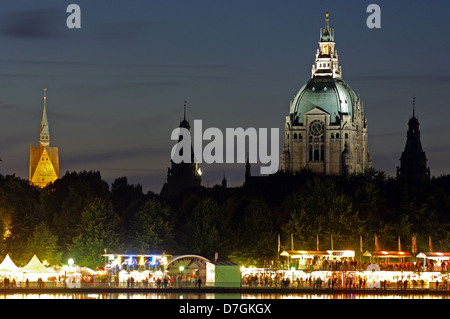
{"x": 386, "y": 255}
{"x": 304, "y": 259}
{"x": 8, "y": 266}
{"x": 35, "y": 270}
{"x": 9, "y": 271}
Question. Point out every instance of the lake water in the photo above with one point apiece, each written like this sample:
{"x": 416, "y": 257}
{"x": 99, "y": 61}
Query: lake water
{"x": 244, "y": 296}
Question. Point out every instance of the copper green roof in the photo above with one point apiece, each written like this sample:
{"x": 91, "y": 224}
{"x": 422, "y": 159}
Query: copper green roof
{"x": 333, "y": 96}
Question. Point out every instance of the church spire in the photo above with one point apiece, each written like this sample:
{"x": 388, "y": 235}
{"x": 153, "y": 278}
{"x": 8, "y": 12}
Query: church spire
{"x": 413, "y": 162}
{"x": 45, "y": 132}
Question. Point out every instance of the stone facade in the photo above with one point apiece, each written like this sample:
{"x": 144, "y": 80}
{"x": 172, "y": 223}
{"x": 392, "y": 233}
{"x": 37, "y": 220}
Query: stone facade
{"x": 326, "y": 118}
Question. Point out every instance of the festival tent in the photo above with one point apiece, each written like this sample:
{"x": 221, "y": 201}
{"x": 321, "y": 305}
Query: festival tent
{"x": 35, "y": 269}
{"x": 8, "y": 266}
{"x": 439, "y": 256}
{"x": 387, "y": 254}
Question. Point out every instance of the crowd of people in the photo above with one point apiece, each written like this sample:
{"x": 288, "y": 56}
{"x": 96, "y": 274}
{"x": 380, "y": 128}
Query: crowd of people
{"x": 337, "y": 280}
{"x": 353, "y": 265}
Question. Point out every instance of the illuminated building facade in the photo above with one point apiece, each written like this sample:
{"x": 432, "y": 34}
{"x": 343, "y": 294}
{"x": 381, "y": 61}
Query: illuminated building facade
{"x": 326, "y": 130}
{"x": 44, "y": 159}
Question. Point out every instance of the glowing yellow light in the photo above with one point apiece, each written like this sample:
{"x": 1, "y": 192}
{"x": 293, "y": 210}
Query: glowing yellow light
{"x": 384, "y": 252}
{"x": 440, "y": 254}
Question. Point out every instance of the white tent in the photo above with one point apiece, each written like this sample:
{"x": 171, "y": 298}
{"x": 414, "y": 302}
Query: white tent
{"x": 35, "y": 269}
{"x": 8, "y": 266}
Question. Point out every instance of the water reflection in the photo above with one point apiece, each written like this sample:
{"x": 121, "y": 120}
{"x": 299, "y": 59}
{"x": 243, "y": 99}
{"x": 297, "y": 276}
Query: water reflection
{"x": 167, "y": 296}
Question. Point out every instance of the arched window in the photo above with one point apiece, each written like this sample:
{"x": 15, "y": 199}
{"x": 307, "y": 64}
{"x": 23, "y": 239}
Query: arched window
{"x": 316, "y": 155}
{"x": 332, "y": 135}
{"x": 295, "y": 136}
{"x": 337, "y": 135}
{"x": 346, "y": 135}
{"x": 322, "y": 153}
{"x": 310, "y": 153}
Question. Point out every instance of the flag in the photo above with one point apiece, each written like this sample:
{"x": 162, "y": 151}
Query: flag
{"x": 279, "y": 244}
{"x": 317, "y": 242}
{"x": 377, "y": 246}
{"x": 399, "y": 244}
{"x": 429, "y": 243}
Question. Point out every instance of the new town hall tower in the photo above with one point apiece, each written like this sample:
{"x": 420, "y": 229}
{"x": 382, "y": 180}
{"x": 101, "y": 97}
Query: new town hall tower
{"x": 326, "y": 130}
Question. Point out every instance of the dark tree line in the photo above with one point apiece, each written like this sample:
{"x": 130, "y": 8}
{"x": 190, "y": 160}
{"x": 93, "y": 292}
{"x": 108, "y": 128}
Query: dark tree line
{"x": 80, "y": 215}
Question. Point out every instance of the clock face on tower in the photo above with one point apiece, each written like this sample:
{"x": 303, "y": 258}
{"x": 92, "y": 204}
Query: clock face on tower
{"x": 316, "y": 128}
{"x": 46, "y": 169}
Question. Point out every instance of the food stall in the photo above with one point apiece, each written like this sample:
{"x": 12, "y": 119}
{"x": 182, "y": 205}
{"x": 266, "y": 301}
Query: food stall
{"x": 439, "y": 260}
{"x": 304, "y": 259}
{"x": 387, "y": 255}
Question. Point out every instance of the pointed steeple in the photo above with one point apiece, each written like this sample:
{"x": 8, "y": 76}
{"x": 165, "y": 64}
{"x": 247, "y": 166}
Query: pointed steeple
{"x": 248, "y": 167}
{"x": 413, "y": 161}
{"x": 45, "y": 132}
{"x": 184, "y": 123}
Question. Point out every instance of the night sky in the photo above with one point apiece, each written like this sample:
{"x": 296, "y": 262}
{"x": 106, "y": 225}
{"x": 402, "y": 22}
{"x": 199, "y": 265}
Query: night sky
{"x": 117, "y": 86}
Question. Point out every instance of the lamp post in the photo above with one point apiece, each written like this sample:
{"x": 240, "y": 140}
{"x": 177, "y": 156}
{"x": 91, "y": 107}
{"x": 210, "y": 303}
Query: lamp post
{"x": 107, "y": 281}
{"x": 70, "y": 262}
{"x": 181, "y": 269}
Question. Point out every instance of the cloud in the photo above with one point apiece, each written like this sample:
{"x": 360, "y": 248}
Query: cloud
{"x": 124, "y": 65}
{"x": 388, "y": 77}
{"x": 33, "y": 24}
{"x": 114, "y": 155}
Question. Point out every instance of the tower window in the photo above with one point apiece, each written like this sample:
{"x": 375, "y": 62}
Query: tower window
{"x": 316, "y": 155}
{"x": 310, "y": 153}
{"x": 337, "y": 135}
{"x": 346, "y": 135}
{"x": 332, "y": 135}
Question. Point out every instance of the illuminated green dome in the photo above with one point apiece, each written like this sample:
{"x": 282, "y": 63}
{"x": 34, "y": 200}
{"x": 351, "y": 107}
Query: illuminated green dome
{"x": 329, "y": 94}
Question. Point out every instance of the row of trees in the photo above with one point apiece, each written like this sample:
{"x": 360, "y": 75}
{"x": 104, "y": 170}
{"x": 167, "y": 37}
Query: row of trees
{"x": 80, "y": 215}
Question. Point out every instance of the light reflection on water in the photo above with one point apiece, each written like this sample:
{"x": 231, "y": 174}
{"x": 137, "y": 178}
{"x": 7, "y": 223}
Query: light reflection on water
{"x": 163, "y": 296}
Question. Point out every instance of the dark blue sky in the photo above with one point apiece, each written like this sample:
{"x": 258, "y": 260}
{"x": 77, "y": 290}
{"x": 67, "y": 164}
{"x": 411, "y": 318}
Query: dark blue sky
{"x": 116, "y": 87}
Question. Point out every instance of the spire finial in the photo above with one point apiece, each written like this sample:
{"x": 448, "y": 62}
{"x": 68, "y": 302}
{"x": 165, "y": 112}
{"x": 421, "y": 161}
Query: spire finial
{"x": 185, "y": 109}
{"x": 414, "y": 106}
{"x": 45, "y": 135}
